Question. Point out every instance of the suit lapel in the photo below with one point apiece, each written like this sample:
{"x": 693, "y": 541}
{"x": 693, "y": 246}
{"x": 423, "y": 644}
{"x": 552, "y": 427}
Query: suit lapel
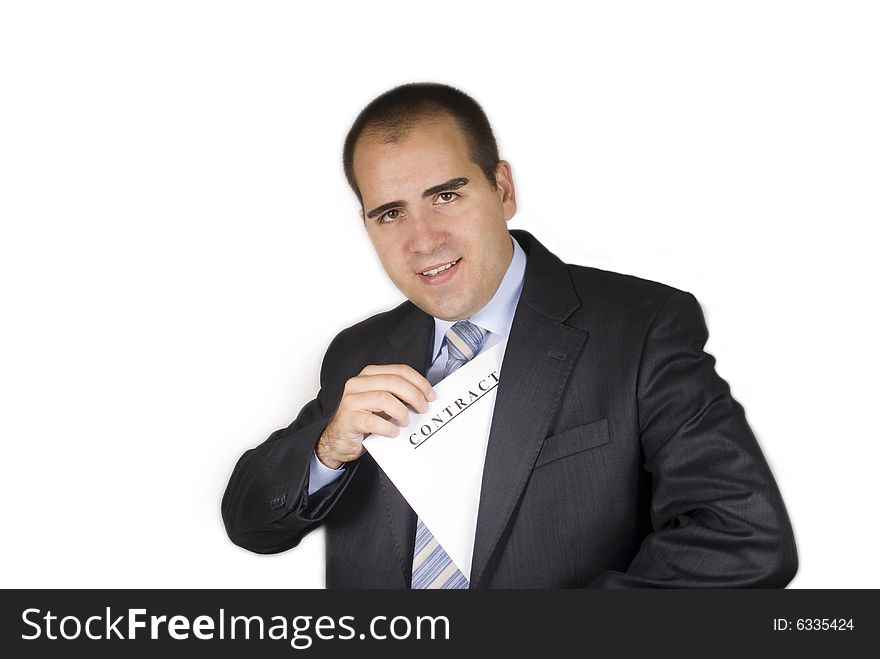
{"x": 540, "y": 353}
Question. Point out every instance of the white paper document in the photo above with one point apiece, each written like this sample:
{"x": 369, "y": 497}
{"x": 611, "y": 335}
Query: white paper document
{"x": 437, "y": 461}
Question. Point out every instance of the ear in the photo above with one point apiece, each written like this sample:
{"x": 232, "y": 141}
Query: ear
{"x": 504, "y": 186}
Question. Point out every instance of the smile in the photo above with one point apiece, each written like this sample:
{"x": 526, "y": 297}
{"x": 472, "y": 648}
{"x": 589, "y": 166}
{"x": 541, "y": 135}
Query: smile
{"x": 439, "y": 269}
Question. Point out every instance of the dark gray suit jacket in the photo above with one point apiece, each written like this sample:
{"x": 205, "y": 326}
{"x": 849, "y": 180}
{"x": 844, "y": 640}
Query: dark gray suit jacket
{"x": 617, "y": 456}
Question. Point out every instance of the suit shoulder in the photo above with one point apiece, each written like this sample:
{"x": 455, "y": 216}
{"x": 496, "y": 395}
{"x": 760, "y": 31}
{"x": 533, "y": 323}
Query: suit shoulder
{"x": 596, "y": 287}
{"x": 365, "y": 333}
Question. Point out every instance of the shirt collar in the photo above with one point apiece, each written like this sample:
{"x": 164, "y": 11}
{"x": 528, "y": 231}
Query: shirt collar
{"x": 497, "y": 315}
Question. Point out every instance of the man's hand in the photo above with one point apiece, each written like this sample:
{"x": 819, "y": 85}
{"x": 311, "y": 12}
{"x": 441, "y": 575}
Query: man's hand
{"x": 369, "y": 402}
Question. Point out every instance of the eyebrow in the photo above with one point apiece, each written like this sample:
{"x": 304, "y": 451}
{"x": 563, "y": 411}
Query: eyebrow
{"x": 451, "y": 184}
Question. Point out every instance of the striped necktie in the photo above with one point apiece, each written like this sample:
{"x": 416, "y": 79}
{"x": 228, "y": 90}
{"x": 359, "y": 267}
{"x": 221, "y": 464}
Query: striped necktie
{"x": 432, "y": 567}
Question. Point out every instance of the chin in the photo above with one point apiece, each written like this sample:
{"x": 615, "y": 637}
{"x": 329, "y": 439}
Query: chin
{"x": 450, "y": 306}
{"x": 442, "y": 314}
{"x": 452, "y": 313}
{"x": 441, "y": 311}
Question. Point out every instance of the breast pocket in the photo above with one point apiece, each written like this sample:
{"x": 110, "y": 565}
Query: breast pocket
{"x": 576, "y": 440}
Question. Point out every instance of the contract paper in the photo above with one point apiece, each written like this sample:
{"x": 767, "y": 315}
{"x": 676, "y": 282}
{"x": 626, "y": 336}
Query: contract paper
{"x": 437, "y": 460}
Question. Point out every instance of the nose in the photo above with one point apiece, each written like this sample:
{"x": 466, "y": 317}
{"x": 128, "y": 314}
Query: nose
{"x": 427, "y": 235}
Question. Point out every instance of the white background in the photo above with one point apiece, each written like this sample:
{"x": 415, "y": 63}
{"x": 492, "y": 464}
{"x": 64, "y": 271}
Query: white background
{"x": 179, "y": 246}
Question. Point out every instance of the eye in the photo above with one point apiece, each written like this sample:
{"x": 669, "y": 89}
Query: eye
{"x": 389, "y": 216}
{"x": 446, "y": 197}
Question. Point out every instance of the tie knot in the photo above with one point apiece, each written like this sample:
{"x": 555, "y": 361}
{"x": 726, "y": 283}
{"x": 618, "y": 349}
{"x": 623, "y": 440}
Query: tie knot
{"x": 464, "y": 340}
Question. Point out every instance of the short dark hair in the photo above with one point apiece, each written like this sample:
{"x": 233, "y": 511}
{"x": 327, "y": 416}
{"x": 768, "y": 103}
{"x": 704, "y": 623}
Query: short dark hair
{"x": 394, "y": 113}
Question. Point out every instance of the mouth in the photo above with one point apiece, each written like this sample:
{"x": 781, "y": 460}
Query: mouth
{"x": 439, "y": 273}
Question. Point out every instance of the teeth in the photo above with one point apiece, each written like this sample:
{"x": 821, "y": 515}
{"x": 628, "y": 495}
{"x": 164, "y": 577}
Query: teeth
{"x": 440, "y": 269}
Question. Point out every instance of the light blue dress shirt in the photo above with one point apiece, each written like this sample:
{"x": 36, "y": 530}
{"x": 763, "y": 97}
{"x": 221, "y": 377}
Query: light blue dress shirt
{"x": 496, "y": 317}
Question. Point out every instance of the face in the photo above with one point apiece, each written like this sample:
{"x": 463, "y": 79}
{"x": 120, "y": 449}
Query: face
{"x": 437, "y": 224}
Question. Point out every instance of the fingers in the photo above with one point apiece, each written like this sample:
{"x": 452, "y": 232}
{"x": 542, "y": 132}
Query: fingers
{"x": 399, "y": 387}
{"x": 381, "y": 402}
{"x": 376, "y": 401}
{"x": 405, "y": 373}
{"x": 377, "y": 425}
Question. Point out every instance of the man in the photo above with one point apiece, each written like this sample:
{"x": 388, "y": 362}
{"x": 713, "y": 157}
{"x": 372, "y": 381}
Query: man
{"x": 616, "y": 457}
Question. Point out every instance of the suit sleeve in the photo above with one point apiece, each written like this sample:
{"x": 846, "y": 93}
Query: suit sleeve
{"x": 717, "y": 515}
{"x": 266, "y": 507}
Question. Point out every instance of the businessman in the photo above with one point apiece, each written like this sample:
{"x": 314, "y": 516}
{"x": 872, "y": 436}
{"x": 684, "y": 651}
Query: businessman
{"x": 616, "y": 457}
